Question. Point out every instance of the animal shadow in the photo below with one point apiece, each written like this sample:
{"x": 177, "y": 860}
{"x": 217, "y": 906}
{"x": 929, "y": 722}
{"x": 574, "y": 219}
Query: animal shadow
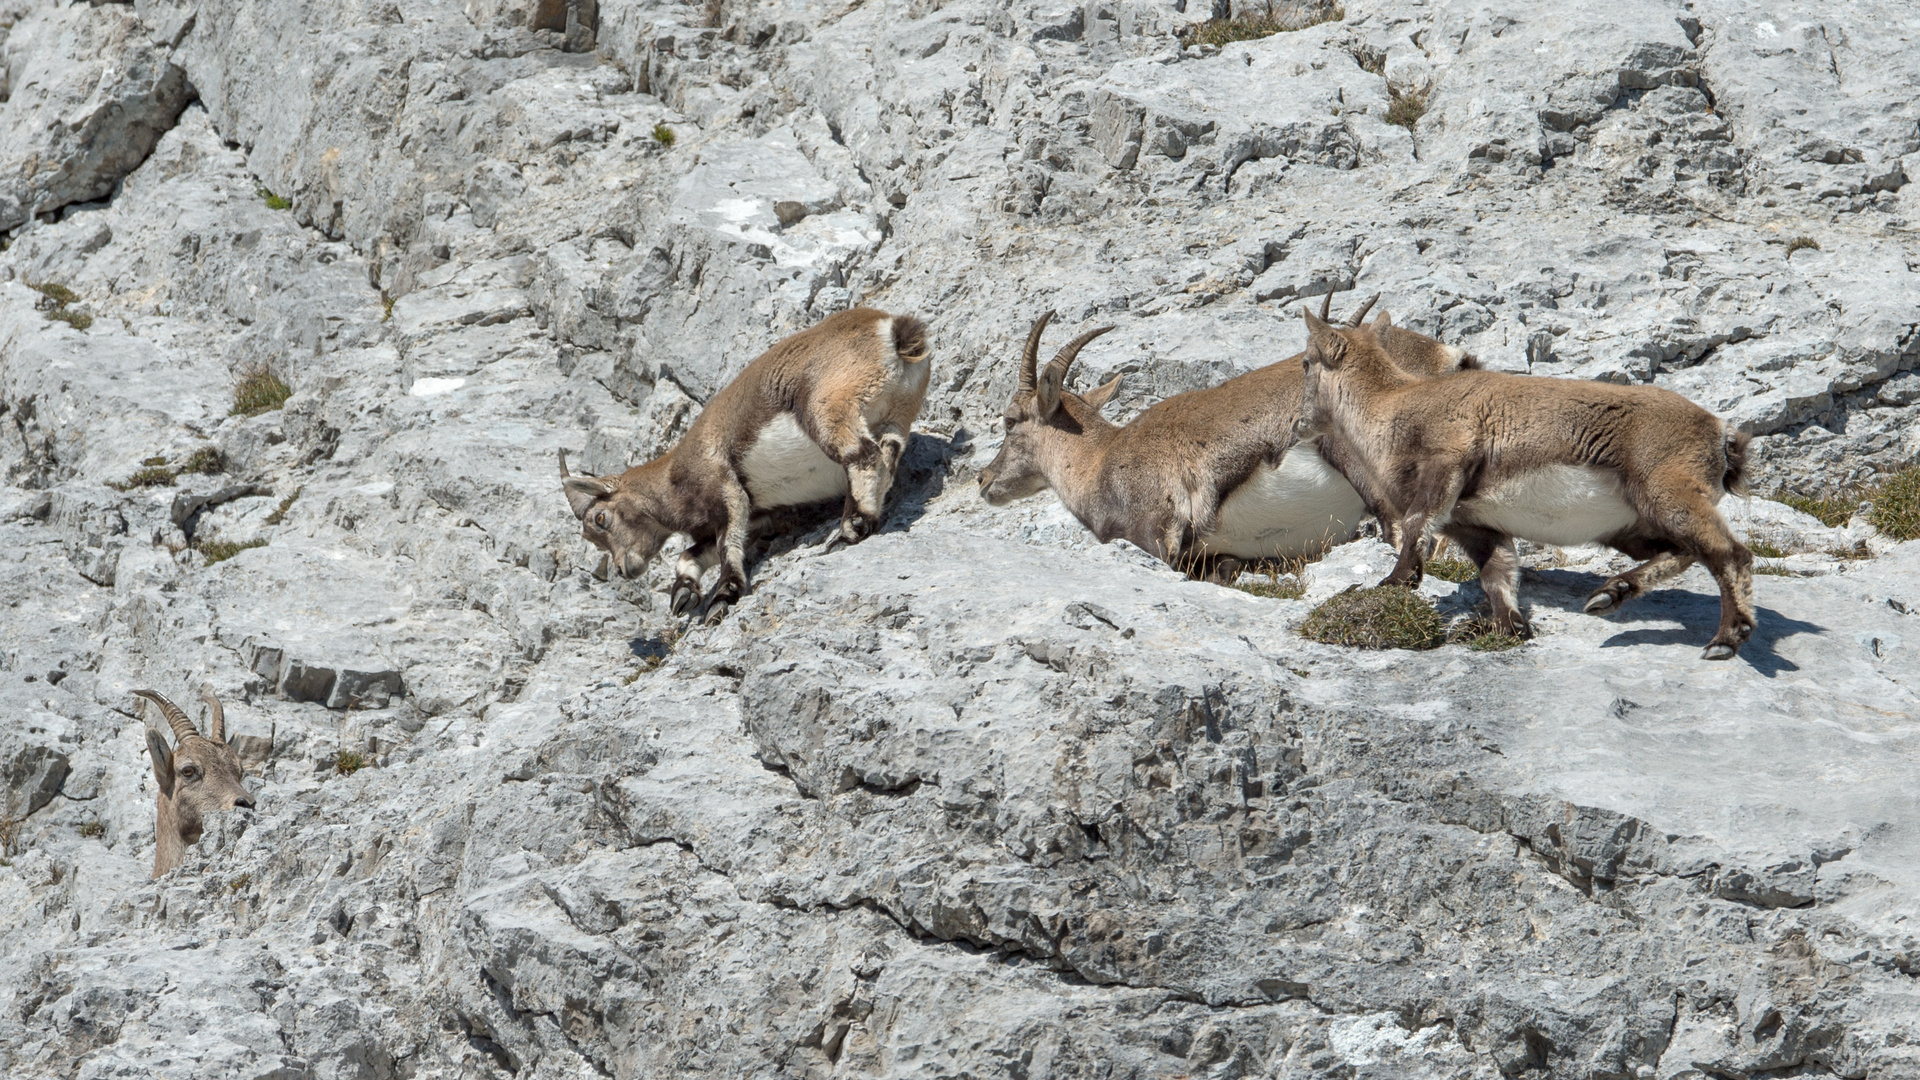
{"x": 1698, "y": 614}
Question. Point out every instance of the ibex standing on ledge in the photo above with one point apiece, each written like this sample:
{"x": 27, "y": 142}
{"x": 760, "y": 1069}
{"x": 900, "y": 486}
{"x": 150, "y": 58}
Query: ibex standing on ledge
{"x": 200, "y": 775}
{"x": 1486, "y": 457}
{"x": 1203, "y": 479}
{"x": 824, "y": 413}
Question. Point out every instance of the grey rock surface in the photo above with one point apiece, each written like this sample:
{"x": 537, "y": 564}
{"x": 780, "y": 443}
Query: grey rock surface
{"x": 977, "y": 797}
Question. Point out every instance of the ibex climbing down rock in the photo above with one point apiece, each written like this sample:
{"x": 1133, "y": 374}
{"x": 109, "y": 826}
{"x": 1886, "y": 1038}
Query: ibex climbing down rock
{"x": 824, "y": 413}
{"x": 200, "y": 775}
{"x": 1487, "y": 457}
{"x": 1203, "y": 479}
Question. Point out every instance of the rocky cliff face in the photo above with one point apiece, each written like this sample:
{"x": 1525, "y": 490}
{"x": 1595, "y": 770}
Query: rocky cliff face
{"x": 978, "y": 797}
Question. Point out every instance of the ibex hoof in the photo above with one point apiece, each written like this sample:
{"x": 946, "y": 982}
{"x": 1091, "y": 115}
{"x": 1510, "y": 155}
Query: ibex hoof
{"x": 850, "y": 532}
{"x": 717, "y": 611}
{"x": 1604, "y": 601}
{"x": 685, "y": 596}
{"x": 1719, "y": 651}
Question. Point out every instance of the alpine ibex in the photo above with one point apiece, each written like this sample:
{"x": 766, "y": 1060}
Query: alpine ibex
{"x": 200, "y": 775}
{"x": 1203, "y": 479}
{"x": 1486, "y": 457}
{"x": 824, "y": 413}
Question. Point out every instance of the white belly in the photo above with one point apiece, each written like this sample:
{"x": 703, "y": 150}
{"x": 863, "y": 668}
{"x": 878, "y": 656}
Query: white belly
{"x": 1563, "y": 505}
{"x": 785, "y": 468}
{"x": 1300, "y": 508}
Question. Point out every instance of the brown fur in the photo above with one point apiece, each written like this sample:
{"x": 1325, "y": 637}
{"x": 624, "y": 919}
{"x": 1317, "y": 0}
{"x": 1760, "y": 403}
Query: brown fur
{"x": 198, "y": 776}
{"x": 1160, "y": 480}
{"x": 1459, "y": 452}
{"x": 853, "y": 384}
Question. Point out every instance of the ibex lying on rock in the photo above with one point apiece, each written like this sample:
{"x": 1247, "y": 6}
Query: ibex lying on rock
{"x": 824, "y": 413}
{"x": 1203, "y": 479}
{"x": 200, "y": 775}
{"x": 1487, "y": 457}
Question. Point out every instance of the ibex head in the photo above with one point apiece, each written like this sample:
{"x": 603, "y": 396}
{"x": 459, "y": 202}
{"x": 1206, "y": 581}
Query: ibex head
{"x": 617, "y": 517}
{"x": 199, "y": 775}
{"x": 1041, "y": 405}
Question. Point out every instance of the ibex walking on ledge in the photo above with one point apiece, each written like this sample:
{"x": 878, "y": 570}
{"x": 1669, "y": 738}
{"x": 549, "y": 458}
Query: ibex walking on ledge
{"x": 1486, "y": 457}
{"x": 824, "y": 413}
{"x": 200, "y": 775}
{"x": 1203, "y": 479}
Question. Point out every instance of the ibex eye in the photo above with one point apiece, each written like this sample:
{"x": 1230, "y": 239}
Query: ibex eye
{"x": 600, "y": 519}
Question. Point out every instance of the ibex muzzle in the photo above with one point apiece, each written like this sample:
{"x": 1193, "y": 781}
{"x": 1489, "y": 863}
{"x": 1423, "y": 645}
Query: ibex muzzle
{"x": 199, "y": 775}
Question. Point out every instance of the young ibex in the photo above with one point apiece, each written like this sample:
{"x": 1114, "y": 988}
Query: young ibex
{"x": 1487, "y": 457}
{"x": 824, "y": 413}
{"x": 1203, "y": 479}
{"x": 200, "y": 775}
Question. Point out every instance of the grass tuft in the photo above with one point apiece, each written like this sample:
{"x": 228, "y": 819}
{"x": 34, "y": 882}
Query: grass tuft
{"x": 56, "y": 292}
{"x": 147, "y": 476}
{"x": 1405, "y": 110}
{"x": 1389, "y": 617}
{"x": 1896, "y": 504}
{"x": 206, "y": 460}
{"x": 79, "y": 320}
{"x": 217, "y": 551}
{"x": 1801, "y": 243}
{"x": 1774, "y": 571}
{"x": 1766, "y": 549}
{"x": 240, "y": 882}
{"x": 1277, "y": 587}
{"x": 350, "y": 762}
{"x": 1218, "y": 32}
{"x": 386, "y": 306}
{"x": 155, "y": 461}
{"x": 91, "y": 829}
{"x": 259, "y": 390}
{"x": 1454, "y": 570}
{"x": 1833, "y": 511}
{"x": 663, "y": 135}
{"x": 1479, "y": 635}
{"x": 274, "y": 202}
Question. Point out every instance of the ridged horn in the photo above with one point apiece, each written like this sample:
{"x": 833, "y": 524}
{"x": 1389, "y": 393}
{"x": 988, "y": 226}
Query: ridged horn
{"x": 1030, "y": 360}
{"x": 563, "y": 464}
{"x": 216, "y": 716}
{"x": 1326, "y": 305}
{"x": 1064, "y": 358}
{"x": 1354, "y": 319}
{"x": 183, "y": 728}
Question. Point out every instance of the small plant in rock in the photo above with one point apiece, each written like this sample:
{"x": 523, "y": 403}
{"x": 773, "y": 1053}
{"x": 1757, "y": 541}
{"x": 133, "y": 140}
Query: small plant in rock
{"x": 279, "y": 514}
{"x": 239, "y": 883}
{"x": 1774, "y": 571}
{"x": 145, "y": 476}
{"x": 1405, "y": 110}
{"x": 1447, "y": 566}
{"x": 1801, "y": 243}
{"x": 1479, "y": 635}
{"x": 663, "y": 135}
{"x": 155, "y": 461}
{"x": 274, "y": 202}
{"x": 57, "y": 295}
{"x": 1252, "y": 27}
{"x": 1833, "y": 510}
{"x": 79, "y": 320}
{"x": 207, "y": 460}
{"x": 350, "y": 762}
{"x": 1388, "y": 617}
{"x": 1767, "y": 549}
{"x": 259, "y": 390}
{"x": 386, "y": 306}
{"x": 1277, "y": 586}
{"x": 92, "y": 829}
{"x": 1896, "y": 504}
{"x": 656, "y": 651}
{"x": 218, "y": 551}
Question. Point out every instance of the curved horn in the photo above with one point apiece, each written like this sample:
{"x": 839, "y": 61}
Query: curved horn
{"x": 1354, "y": 319}
{"x": 1030, "y": 359}
{"x": 216, "y": 716}
{"x": 183, "y": 728}
{"x": 1326, "y": 305}
{"x": 563, "y": 464}
{"x": 1064, "y": 358}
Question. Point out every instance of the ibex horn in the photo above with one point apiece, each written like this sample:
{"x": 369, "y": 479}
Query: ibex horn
{"x": 216, "y": 716}
{"x": 183, "y": 728}
{"x": 563, "y": 464}
{"x": 1064, "y": 358}
{"x": 1030, "y": 359}
{"x": 1326, "y": 305}
{"x": 1354, "y": 319}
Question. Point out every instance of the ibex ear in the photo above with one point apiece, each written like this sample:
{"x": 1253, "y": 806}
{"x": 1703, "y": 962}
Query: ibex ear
{"x": 1048, "y": 388}
{"x": 1100, "y": 395}
{"x": 162, "y": 761}
{"x": 1381, "y": 323}
{"x": 1324, "y": 347}
{"x": 583, "y": 491}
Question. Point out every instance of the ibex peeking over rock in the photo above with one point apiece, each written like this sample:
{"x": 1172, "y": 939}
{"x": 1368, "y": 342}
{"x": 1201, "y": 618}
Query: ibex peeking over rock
{"x": 1203, "y": 479}
{"x": 824, "y": 413}
{"x": 1487, "y": 457}
{"x": 200, "y": 775}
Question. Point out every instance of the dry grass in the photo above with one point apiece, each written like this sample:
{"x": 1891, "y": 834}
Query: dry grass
{"x": 1479, "y": 635}
{"x": 350, "y": 762}
{"x": 144, "y": 477}
{"x": 216, "y": 551}
{"x": 1801, "y": 243}
{"x": 1896, "y": 504}
{"x": 1833, "y": 511}
{"x": 1766, "y": 549}
{"x": 207, "y": 460}
{"x": 56, "y": 292}
{"x": 1277, "y": 586}
{"x": 279, "y": 514}
{"x": 240, "y": 882}
{"x": 259, "y": 390}
{"x": 1218, "y": 32}
{"x": 92, "y": 829}
{"x": 1406, "y": 110}
{"x": 79, "y": 320}
{"x": 1389, "y": 617}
